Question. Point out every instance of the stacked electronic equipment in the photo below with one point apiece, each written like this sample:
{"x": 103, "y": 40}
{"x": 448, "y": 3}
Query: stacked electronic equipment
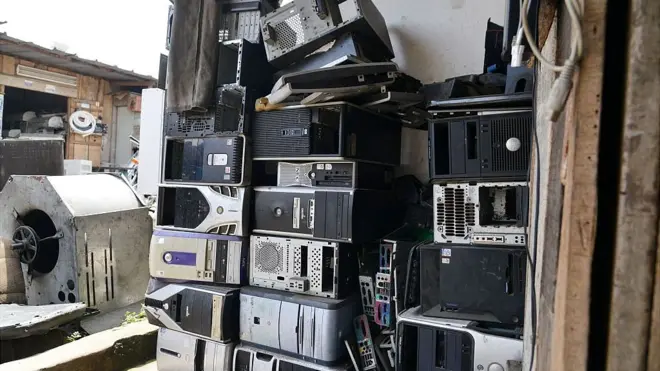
{"x": 271, "y": 199}
{"x": 473, "y": 275}
{"x": 200, "y": 246}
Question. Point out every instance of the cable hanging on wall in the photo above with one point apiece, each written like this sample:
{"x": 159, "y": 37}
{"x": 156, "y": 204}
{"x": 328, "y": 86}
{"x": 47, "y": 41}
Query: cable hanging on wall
{"x": 82, "y": 122}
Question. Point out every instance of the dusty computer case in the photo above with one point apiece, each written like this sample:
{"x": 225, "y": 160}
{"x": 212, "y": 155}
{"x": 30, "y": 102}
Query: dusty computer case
{"x": 301, "y": 27}
{"x": 343, "y": 215}
{"x": 487, "y": 147}
{"x": 324, "y": 132}
{"x": 318, "y": 268}
{"x": 335, "y": 174}
{"x": 210, "y": 312}
{"x": 201, "y": 257}
{"x": 480, "y": 283}
{"x": 426, "y": 343}
{"x": 304, "y": 327}
{"x": 481, "y": 213}
{"x": 178, "y": 351}
{"x": 215, "y": 161}
{"x": 204, "y": 209}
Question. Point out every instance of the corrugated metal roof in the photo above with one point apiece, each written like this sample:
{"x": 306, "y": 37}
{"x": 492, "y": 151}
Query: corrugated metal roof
{"x": 67, "y": 61}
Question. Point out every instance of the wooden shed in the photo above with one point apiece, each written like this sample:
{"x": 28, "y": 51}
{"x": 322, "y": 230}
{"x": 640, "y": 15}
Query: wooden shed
{"x": 32, "y": 75}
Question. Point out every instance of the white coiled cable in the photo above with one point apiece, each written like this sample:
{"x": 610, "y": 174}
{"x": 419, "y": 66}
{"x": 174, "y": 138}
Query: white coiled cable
{"x": 82, "y": 122}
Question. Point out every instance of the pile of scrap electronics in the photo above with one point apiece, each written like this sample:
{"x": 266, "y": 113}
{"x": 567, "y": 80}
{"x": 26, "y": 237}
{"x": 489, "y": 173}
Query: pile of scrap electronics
{"x": 283, "y": 240}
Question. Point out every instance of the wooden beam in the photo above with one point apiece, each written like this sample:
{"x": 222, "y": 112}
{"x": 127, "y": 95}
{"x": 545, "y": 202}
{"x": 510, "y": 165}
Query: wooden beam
{"x": 550, "y": 136}
{"x": 636, "y": 244}
{"x": 577, "y": 239}
{"x": 653, "y": 361}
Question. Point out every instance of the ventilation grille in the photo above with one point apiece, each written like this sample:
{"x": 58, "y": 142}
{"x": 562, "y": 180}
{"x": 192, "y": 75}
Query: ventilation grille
{"x": 268, "y": 257}
{"x": 191, "y": 123}
{"x": 289, "y": 33}
{"x": 226, "y": 191}
{"x": 283, "y": 133}
{"x": 297, "y": 260}
{"x": 191, "y": 208}
{"x": 454, "y": 214}
{"x": 228, "y": 229}
{"x": 315, "y": 267}
{"x": 237, "y": 152}
{"x": 294, "y": 174}
{"x": 502, "y": 130}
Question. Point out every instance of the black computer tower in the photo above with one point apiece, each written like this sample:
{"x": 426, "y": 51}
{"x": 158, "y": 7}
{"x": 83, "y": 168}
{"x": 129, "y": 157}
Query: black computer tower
{"x": 223, "y": 160}
{"x": 324, "y": 132}
{"x": 490, "y": 146}
{"x": 480, "y": 283}
{"x": 347, "y": 215}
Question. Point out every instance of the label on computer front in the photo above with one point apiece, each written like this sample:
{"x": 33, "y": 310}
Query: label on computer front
{"x": 216, "y": 319}
{"x": 296, "y": 213}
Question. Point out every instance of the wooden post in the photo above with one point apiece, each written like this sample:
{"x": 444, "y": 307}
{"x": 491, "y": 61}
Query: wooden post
{"x": 571, "y": 318}
{"x": 631, "y": 346}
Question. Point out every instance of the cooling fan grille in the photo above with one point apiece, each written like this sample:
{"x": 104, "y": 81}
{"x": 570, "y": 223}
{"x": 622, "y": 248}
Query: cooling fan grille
{"x": 268, "y": 257}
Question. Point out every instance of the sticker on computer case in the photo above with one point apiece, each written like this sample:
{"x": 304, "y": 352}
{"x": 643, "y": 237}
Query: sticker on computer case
{"x": 446, "y": 252}
{"x": 216, "y": 325}
{"x": 296, "y": 213}
{"x": 445, "y": 260}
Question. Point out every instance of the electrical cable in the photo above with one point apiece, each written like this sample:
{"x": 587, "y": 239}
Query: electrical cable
{"x": 562, "y": 86}
{"x": 575, "y": 13}
{"x": 82, "y": 122}
{"x": 531, "y": 255}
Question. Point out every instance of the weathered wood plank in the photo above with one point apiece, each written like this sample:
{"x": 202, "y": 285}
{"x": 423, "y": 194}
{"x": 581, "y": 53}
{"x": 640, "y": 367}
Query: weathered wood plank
{"x": 571, "y": 322}
{"x": 8, "y": 65}
{"x": 636, "y": 245}
{"x": 653, "y": 361}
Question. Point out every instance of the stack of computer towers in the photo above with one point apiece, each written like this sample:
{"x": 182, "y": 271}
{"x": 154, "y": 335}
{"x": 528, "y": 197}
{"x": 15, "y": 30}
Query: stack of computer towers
{"x": 325, "y": 173}
{"x": 472, "y": 287}
{"x": 200, "y": 245}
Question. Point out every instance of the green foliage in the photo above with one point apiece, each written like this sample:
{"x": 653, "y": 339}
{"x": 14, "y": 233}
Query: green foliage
{"x": 73, "y": 337}
{"x": 132, "y": 317}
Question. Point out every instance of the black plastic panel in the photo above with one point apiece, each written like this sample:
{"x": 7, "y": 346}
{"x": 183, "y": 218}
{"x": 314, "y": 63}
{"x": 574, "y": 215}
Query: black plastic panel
{"x": 367, "y": 215}
{"x": 475, "y": 147}
{"x": 481, "y": 283}
{"x": 181, "y": 207}
{"x": 338, "y": 130}
{"x": 218, "y": 160}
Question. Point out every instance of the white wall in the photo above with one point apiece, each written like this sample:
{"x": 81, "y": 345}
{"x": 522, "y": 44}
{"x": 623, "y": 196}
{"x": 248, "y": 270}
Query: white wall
{"x": 434, "y": 40}
{"x": 437, "y": 39}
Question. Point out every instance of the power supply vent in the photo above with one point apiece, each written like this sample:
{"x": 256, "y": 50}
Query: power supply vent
{"x": 290, "y": 32}
{"x": 268, "y": 257}
{"x": 455, "y": 214}
{"x": 503, "y": 129}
